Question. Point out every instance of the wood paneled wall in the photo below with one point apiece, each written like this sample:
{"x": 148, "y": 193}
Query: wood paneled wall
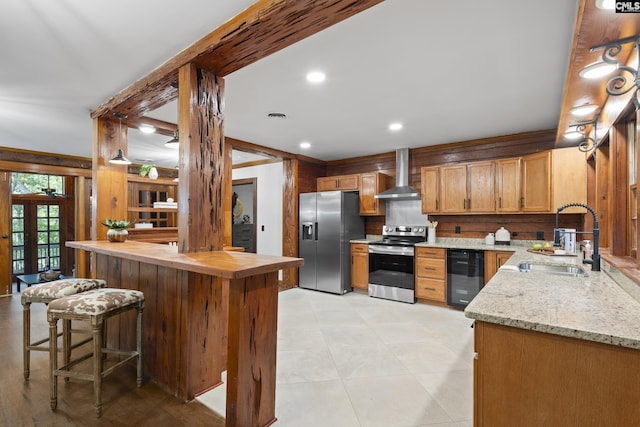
{"x": 471, "y": 226}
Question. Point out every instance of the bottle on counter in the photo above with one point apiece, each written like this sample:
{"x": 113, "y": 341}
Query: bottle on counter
{"x": 587, "y": 252}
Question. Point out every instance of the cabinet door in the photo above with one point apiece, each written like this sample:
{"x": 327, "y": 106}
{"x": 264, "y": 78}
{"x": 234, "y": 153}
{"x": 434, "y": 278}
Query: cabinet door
{"x": 430, "y": 189}
{"x": 536, "y": 182}
{"x": 508, "y": 185}
{"x": 481, "y": 185}
{"x": 493, "y": 260}
{"x": 327, "y": 184}
{"x": 370, "y": 185}
{"x": 453, "y": 189}
{"x": 569, "y": 178}
{"x": 360, "y": 266}
{"x": 348, "y": 182}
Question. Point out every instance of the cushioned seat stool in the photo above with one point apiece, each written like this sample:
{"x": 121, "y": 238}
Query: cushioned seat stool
{"x": 95, "y": 306}
{"x": 45, "y": 293}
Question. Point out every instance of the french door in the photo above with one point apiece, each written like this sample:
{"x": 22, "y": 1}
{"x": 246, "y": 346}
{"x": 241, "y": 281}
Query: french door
{"x": 36, "y": 235}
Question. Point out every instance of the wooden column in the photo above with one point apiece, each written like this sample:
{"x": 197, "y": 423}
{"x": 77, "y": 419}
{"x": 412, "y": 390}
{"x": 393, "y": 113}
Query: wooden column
{"x": 290, "y": 219}
{"x": 202, "y": 160}
{"x": 5, "y": 234}
{"x": 109, "y": 181}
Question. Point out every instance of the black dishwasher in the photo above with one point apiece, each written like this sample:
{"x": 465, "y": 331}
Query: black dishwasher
{"x": 465, "y": 275}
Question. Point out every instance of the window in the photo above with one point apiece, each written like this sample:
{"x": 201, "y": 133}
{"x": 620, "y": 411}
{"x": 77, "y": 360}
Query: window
{"x": 30, "y": 183}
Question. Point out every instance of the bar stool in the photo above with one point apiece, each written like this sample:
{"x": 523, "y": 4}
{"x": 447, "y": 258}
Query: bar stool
{"x": 95, "y": 306}
{"x": 45, "y": 293}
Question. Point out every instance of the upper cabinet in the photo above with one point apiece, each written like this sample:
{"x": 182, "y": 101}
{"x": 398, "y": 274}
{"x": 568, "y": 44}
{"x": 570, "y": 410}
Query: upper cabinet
{"x": 342, "y": 183}
{"x": 508, "y": 185}
{"x": 536, "y": 183}
{"x": 370, "y": 185}
{"x": 459, "y": 188}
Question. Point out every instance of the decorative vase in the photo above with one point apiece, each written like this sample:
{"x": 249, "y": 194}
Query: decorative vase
{"x": 153, "y": 173}
{"x": 115, "y": 235}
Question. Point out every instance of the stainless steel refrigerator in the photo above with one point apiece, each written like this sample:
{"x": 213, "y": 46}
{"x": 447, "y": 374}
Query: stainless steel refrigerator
{"x": 328, "y": 221}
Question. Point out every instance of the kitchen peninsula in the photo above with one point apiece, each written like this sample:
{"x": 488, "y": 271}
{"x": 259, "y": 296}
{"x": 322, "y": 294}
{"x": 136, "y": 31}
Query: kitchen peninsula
{"x": 555, "y": 350}
{"x": 205, "y": 312}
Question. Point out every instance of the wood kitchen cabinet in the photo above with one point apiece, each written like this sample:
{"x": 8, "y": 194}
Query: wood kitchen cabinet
{"x": 431, "y": 273}
{"x": 536, "y": 182}
{"x": 341, "y": 182}
{"x": 508, "y": 185}
{"x": 467, "y": 188}
{"x": 529, "y": 379}
{"x": 360, "y": 266}
{"x": 430, "y": 189}
{"x": 493, "y": 260}
{"x": 370, "y": 185}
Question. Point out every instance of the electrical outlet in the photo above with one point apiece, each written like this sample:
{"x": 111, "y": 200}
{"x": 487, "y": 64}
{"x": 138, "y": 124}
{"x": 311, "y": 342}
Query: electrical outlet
{"x": 539, "y": 235}
{"x": 457, "y": 229}
{"x": 514, "y": 234}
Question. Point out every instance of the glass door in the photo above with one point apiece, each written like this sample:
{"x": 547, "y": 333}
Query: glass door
{"x": 36, "y": 236}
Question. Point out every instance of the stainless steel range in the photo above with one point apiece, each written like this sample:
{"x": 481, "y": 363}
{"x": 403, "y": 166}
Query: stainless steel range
{"x": 391, "y": 262}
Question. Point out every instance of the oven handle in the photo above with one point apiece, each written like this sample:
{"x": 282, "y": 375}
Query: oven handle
{"x": 390, "y": 250}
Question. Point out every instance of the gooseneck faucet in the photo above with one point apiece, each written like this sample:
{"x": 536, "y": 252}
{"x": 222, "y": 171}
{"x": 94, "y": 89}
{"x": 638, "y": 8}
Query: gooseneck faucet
{"x": 595, "y": 261}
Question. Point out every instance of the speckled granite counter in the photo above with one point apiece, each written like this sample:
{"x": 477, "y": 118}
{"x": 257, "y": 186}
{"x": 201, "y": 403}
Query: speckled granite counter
{"x": 592, "y": 308}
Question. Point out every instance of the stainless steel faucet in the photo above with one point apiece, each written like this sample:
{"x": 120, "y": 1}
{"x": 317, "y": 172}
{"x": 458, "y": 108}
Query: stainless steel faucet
{"x": 595, "y": 260}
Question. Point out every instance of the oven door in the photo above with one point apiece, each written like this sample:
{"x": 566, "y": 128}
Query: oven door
{"x": 391, "y": 273}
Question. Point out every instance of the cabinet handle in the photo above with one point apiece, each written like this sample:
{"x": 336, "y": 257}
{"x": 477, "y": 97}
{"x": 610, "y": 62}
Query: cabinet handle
{"x": 436, "y": 204}
{"x": 429, "y": 268}
{"x": 521, "y": 202}
{"x": 500, "y": 202}
{"x": 429, "y": 289}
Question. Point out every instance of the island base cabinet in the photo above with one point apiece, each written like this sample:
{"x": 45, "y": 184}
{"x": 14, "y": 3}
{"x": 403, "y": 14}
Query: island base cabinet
{"x": 527, "y": 378}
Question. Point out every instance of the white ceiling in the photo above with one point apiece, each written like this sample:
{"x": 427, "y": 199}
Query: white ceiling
{"x": 449, "y": 71}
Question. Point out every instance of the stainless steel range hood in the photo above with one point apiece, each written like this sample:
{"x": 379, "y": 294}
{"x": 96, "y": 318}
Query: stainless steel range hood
{"x": 401, "y": 191}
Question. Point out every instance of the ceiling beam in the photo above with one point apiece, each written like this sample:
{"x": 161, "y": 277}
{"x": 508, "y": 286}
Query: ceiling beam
{"x": 260, "y": 30}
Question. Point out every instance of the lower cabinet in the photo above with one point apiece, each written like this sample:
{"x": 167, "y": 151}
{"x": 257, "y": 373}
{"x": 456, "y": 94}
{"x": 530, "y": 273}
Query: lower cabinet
{"x": 493, "y": 260}
{"x": 360, "y": 266}
{"x": 529, "y": 379}
{"x": 431, "y": 273}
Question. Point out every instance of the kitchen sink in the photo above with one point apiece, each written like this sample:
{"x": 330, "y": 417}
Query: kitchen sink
{"x": 557, "y": 269}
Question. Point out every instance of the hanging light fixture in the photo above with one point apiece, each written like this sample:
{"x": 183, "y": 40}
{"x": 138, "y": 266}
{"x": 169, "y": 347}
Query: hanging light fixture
{"x": 173, "y": 142}
{"x": 120, "y": 159}
{"x": 627, "y": 80}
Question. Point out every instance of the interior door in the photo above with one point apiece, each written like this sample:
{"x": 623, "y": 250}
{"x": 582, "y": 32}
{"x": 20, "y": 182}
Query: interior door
{"x": 5, "y": 234}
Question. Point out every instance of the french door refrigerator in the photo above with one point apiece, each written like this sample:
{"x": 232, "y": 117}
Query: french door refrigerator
{"x": 328, "y": 221}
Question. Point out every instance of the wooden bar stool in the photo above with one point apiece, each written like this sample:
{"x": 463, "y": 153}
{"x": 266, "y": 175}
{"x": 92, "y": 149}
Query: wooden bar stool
{"x": 45, "y": 293}
{"x": 95, "y": 306}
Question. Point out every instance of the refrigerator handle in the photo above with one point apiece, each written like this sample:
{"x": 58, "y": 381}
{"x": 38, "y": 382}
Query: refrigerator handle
{"x": 316, "y": 231}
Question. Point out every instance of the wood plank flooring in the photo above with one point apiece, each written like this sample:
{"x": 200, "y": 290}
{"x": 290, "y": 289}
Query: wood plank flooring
{"x": 27, "y": 403}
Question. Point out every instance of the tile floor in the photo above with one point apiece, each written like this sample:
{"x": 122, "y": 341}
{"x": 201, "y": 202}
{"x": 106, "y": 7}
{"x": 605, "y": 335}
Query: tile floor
{"x": 352, "y": 360}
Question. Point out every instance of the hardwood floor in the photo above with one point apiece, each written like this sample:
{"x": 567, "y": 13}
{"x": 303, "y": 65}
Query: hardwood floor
{"x": 27, "y": 403}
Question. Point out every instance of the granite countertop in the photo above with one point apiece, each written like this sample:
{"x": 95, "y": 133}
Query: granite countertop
{"x": 593, "y": 308}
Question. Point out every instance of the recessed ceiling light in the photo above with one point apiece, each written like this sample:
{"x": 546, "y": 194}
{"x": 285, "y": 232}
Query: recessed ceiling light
{"x": 583, "y": 110}
{"x": 606, "y": 4}
{"x": 395, "y": 126}
{"x": 597, "y": 70}
{"x": 146, "y": 129}
{"x": 305, "y": 145}
{"x": 316, "y": 77}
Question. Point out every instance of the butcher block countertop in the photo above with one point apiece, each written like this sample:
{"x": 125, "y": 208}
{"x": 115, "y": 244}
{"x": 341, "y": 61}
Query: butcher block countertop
{"x": 226, "y": 264}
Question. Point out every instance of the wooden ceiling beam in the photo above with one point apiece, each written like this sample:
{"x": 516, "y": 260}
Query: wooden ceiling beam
{"x": 260, "y": 30}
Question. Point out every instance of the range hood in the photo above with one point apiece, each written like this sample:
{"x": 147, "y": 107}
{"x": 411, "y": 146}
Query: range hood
{"x": 401, "y": 191}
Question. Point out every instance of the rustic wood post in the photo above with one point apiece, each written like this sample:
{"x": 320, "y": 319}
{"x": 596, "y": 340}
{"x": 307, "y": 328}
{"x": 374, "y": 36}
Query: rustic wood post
{"x": 109, "y": 181}
{"x": 201, "y": 189}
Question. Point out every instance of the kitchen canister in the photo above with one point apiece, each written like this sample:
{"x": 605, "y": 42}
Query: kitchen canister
{"x": 503, "y": 237}
{"x": 490, "y": 239}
